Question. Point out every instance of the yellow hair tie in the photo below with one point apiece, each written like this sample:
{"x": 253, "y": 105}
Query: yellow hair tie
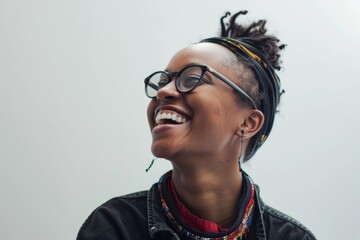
{"x": 253, "y": 55}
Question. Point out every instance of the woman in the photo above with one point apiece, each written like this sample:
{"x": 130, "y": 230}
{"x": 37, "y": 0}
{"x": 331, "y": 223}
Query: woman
{"x": 212, "y": 108}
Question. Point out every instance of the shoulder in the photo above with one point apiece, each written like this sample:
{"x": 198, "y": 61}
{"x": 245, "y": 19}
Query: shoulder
{"x": 283, "y": 226}
{"x": 277, "y": 225}
{"x": 136, "y": 196}
{"x": 120, "y": 212}
{"x": 125, "y": 203}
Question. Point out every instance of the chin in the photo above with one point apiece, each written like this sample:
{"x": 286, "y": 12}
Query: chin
{"x": 163, "y": 151}
{"x": 160, "y": 153}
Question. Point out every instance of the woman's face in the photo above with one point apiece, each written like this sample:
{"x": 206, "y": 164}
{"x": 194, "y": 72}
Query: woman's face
{"x": 208, "y": 118}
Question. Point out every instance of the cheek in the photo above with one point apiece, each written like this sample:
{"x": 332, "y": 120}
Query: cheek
{"x": 150, "y": 113}
{"x": 209, "y": 103}
{"x": 219, "y": 111}
{"x": 208, "y": 114}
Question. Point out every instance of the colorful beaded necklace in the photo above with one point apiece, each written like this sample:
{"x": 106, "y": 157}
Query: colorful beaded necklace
{"x": 239, "y": 233}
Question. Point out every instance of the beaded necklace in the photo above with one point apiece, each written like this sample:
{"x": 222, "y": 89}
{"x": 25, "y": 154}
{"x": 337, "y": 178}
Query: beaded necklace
{"x": 239, "y": 233}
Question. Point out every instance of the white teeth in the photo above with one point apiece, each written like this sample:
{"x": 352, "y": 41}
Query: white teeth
{"x": 174, "y": 117}
{"x": 157, "y": 118}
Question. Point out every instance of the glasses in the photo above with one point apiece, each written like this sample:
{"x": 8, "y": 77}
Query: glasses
{"x": 186, "y": 80}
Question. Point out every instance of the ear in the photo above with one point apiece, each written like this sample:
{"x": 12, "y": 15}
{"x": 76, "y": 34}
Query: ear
{"x": 251, "y": 124}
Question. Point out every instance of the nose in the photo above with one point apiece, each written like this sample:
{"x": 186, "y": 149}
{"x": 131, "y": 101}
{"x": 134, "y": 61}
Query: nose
{"x": 168, "y": 92}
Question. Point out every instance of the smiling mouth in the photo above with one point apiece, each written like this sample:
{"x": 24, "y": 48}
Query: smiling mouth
{"x": 169, "y": 118}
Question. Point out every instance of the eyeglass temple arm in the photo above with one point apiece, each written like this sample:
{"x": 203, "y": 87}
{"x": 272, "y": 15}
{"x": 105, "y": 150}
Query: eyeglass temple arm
{"x": 231, "y": 84}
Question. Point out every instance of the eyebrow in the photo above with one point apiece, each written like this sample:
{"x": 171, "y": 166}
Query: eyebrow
{"x": 189, "y": 64}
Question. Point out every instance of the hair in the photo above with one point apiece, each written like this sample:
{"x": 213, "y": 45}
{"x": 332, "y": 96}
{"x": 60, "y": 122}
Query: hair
{"x": 268, "y": 45}
{"x": 256, "y": 34}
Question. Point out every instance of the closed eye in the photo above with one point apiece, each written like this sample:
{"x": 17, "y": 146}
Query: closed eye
{"x": 191, "y": 81}
{"x": 162, "y": 82}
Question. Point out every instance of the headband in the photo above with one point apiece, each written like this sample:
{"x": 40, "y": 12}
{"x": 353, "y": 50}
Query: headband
{"x": 269, "y": 83}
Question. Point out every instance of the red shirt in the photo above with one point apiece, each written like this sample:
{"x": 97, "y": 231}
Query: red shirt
{"x": 190, "y": 219}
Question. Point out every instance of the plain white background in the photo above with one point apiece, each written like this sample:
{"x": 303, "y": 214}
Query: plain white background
{"x": 73, "y": 127}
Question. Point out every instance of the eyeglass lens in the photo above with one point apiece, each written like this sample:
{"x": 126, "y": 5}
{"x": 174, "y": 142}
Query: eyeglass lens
{"x": 186, "y": 80}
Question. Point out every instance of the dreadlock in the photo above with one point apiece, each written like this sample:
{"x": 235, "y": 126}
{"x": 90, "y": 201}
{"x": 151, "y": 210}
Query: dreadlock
{"x": 255, "y": 33}
{"x": 259, "y": 82}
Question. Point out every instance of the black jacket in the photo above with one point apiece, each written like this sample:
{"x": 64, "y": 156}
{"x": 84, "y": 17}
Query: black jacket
{"x": 139, "y": 216}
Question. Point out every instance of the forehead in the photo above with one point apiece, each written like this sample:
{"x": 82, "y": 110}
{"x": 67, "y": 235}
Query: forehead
{"x": 210, "y": 54}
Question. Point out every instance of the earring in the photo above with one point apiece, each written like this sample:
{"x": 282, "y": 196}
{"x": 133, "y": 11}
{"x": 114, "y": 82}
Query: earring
{"x": 240, "y": 160}
{"x": 152, "y": 163}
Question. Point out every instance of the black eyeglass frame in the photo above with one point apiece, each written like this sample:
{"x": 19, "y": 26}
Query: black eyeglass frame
{"x": 204, "y": 69}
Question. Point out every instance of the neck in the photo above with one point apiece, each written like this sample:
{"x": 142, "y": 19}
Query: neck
{"x": 210, "y": 192}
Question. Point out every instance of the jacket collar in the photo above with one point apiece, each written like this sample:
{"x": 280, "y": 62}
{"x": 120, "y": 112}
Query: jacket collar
{"x": 158, "y": 227}
{"x": 160, "y": 230}
{"x": 260, "y": 225}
